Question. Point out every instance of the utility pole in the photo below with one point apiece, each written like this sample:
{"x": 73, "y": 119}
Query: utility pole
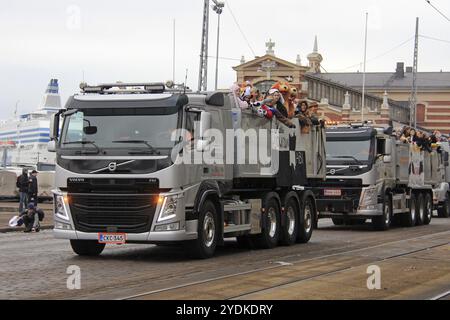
{"x": 203, "y": 73}
{"x": 413, "y": 99}
{"x": 174, "y": 51}
{"x": 218, "y": 8}
{"x": 363, "y": 100}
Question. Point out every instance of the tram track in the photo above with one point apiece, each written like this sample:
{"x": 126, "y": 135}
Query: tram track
{"x": 155, "y": 293}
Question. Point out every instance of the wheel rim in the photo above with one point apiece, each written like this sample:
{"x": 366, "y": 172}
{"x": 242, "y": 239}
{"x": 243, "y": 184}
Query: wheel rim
{"x": 291, "y": 217}
{"x": 413, "y": 210}
{"x": 272, "y": 215}
{"x": 387, "y": 213}
{"x": 422, "y": 212}
{"x": 209, "y": 229}
{"x": 308, "y": 218}
{"x": 429, "y": 210}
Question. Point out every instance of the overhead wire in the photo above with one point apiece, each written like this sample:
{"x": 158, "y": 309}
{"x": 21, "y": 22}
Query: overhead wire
{"x": 240, "y": 29}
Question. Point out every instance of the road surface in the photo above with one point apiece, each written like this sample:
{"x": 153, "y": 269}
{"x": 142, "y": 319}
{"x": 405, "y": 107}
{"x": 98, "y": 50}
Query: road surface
{"x": 413, "y": 263}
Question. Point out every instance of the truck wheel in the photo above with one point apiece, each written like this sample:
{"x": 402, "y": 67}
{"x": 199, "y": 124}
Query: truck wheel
{"x": 338, "y": 221}
{"x": 270, "y": 232}
{"x": 89, "y": 248}
{"x": 289, "y": 231}
{"x": 420, "y": 212}
{"x": 428, "y": 209}
{"x": 383, "y": 222}
{"x": 205, "y": 245}
{"x": 444, "y": 212}
{"x": 306, "y": 221}
{"x": 409, "y": 219}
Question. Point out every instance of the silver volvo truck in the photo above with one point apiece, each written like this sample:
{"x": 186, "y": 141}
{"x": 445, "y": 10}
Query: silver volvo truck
{"x": 372, "y": 175}
{"x": 123, "y": 171}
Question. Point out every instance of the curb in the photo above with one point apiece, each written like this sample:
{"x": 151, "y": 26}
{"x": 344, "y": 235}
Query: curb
{"x": 9, "y": 230}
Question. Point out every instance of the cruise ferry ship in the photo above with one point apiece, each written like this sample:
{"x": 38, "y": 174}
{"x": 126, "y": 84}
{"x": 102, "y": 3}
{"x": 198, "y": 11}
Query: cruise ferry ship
{"x": 23, "y": 141}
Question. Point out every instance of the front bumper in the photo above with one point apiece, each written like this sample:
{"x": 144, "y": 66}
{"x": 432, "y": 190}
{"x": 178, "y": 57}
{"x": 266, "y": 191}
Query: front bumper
{"x": 190, "y": 233}
{"x": 354, "y": 202}
{"x": 66, "y": 227}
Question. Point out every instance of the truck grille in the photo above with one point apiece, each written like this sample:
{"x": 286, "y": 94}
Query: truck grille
{"x": 113, "y": 213}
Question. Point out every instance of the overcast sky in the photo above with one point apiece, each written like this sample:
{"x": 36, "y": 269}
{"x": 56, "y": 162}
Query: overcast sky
{"x": 112, "y": 40}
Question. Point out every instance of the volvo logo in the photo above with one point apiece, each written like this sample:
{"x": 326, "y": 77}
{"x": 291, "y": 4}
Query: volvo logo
{"x": 112, "y": 166}
{"x": 333, "y": 172}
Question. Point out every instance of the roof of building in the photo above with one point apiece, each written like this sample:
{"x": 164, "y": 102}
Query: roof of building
{"x": 391, "y": 80}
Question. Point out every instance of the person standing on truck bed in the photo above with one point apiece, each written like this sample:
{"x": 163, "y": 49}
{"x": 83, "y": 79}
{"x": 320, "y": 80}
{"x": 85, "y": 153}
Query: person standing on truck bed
{"x": 33, "y": 188}
{"x": 278, "y": 102}
{"x": 22, "y": 185}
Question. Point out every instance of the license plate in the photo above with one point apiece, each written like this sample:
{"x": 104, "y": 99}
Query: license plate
{"x": 332, "y": 192}
{"x": 112, "y": 238}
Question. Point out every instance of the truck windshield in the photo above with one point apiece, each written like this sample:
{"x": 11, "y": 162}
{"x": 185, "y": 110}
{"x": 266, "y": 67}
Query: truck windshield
{"x": 349, "y": 151}
{"x": 119, "y": 129}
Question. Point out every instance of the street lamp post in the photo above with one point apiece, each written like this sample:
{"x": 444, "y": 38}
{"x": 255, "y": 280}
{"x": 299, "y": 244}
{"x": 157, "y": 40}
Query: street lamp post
{"x": 218, "y": 8}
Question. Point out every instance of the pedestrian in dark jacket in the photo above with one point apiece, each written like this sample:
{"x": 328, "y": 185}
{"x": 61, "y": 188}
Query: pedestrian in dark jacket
{"x": 33, "y": 188}
{"x": 22, "y": 185}
{"x": 31, "y": 218}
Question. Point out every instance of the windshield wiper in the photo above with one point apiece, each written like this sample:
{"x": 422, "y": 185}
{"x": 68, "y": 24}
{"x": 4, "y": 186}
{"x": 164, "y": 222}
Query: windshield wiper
{"x": 97, "y": 151}
{"x": 152, "y": 149}
{"x": 346, "y": 157}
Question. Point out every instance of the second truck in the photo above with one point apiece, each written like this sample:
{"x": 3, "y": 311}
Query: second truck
{"x": 373, "y": 176}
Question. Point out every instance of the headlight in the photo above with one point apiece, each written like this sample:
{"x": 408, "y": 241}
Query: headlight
{"x": 168, "y": 227}
{"x": 369, "y": 197}
{"x": 168, "y": 208}
{"x": 62, "y": 226}
{"x": 60, "y": 209}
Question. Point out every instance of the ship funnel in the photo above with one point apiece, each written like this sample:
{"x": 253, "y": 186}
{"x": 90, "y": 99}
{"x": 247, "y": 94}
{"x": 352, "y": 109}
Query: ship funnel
{"x": 52, "y": 99}
{"x": 53, "y": 87}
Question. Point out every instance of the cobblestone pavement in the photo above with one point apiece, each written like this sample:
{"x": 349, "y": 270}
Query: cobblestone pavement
{"x": 34, "y": 266}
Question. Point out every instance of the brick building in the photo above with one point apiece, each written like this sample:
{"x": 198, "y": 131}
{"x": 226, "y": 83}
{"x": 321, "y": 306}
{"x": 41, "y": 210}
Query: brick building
{"x": 340, "y": 95}
{"x": 433, "y": 109}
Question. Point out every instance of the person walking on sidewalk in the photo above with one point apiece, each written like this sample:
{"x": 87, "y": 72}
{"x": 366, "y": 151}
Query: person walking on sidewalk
{"x": 31, "y": 218}
{"x": 33, "y": 188}
{"x": 23, "y": 184}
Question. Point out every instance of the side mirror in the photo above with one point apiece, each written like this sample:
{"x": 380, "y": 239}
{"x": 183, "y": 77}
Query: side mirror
{"x": 388, "y": 147}
{"x": 205, "y": 124}
{"x": 51, "y": 147}
{"x": 90, "y": 130}
{"x": 54, "y": 126}
{"x": 202, "y": 145}
{"x": 387, "y": 159}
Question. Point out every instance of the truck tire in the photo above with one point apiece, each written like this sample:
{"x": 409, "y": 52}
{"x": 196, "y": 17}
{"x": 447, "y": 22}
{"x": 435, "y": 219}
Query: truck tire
{"x": 420, "y": 212}
{"x": 444, "y": 211}
{"x": 409, "y": 219}
{"x": 428, "y": 209}
{"x": 289, "y": 231}
{"x": 306, "y": 221}
{"x": 338, "y": 221}
{"x": 270, "y": 232}
{"x": 383, "y": 222}
{"x": 205, "y": 245}
{"x": 88, "y": 248}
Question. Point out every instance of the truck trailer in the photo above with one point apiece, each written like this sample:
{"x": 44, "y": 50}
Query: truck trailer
{"x": 133, "y": 165}
{"x": 372, "y": 175}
